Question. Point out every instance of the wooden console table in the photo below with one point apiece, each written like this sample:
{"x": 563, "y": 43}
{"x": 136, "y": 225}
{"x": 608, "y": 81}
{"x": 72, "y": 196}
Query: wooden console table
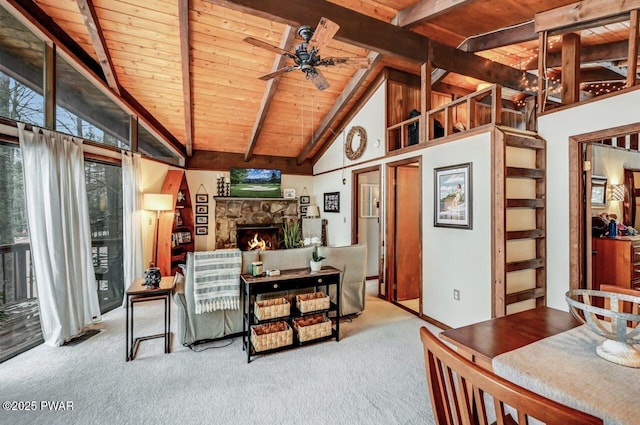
{"x": 252, "y": 286}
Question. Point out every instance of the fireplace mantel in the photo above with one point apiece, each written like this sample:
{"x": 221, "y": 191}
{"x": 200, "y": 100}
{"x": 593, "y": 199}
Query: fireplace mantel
{"x": 231, "y": 211}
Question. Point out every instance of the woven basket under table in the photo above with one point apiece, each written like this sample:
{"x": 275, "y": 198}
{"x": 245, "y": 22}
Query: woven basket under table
{"x": 312, "y": 327}
{"x": 313, "y": 301}
{"x": 272, "y": 308}
{"x": 271, "y": 335}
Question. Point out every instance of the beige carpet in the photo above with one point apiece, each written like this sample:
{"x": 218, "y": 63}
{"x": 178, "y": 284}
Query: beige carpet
{"x": 373, "y": 375}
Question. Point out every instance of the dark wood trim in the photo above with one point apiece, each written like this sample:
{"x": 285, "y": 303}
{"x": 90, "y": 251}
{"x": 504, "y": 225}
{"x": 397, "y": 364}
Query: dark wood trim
{"x": 210, "y": 160}
{"x": 286, "y": 43}
{"x": 605, "y": 52}
{"x": 578, "y": 237}
{"x": 504, "y": 37}
{"x": 185, "y": 65}
{"x": 133, "y": 133}
{"x": 49, "y": 86}
{"x": 592, "y": 100}
{"x": 498, "y": 225}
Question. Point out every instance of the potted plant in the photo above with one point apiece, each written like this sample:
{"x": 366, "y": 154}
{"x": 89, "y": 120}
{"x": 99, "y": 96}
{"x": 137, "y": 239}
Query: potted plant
{"x": 316, "y": 261}
{"x": 291, "y": 234}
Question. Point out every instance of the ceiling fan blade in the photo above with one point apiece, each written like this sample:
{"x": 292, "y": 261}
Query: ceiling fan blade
{"x": 360, "y": 62}
{"x": 267, "y": 46}
{"x": 323, "y": 33}
{"x": 278, "y": 72}
{"x": 318, "y": 79}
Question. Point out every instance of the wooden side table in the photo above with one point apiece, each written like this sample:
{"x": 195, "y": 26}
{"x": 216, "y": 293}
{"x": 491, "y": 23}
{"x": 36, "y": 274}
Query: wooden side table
{"x": 138, "y": 292}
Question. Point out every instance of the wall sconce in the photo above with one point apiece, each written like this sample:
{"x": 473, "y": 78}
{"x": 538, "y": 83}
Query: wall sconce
{"x": 617, "y": 192}
{"x": 157, "y": 202}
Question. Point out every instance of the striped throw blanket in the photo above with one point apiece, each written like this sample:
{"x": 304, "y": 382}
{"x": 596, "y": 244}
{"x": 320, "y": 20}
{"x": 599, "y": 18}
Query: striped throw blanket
{"x": 216, "y": 283}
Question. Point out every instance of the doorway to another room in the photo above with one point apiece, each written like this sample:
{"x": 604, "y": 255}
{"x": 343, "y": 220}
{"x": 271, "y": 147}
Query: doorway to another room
{"x": 403, "y": 243}
{"x": 366, "y": 216}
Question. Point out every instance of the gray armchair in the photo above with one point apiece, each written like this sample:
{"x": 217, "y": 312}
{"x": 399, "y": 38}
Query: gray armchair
{"x": 352, "y": 261}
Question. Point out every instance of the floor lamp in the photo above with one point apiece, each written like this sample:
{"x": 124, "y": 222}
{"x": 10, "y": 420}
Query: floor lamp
{"x": 157, "y": 202}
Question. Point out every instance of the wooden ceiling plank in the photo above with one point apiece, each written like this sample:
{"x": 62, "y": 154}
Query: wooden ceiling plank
{"x": 347, "y": 94}
{"x": 425, "y": 10}
{"x": 633, "y": 49}
{"x": 185, "y": 58}
{"x": 582, "y": 12}
{"x": 500, "y": 38}
{"x": 286, "y": 43}
{"x": 96, "y": 35}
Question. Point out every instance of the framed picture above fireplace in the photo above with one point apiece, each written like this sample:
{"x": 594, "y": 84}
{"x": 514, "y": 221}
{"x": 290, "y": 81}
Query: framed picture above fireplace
{"x": 255, "y": 183}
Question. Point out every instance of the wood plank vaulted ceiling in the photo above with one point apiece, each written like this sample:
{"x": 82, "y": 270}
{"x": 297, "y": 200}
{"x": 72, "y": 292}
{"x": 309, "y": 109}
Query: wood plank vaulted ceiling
{"x": 185, "y": 62}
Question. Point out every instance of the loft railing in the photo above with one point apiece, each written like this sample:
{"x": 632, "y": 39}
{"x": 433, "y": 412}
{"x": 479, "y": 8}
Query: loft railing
{"x": 465, "y": 113}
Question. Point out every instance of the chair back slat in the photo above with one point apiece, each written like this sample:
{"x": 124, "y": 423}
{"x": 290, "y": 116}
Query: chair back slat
{"x": 461, "y": 400}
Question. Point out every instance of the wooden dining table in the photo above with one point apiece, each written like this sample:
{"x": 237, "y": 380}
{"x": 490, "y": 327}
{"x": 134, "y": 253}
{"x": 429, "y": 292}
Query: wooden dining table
{"x": 550, "y": 353}
{"x": 481, "y": 342}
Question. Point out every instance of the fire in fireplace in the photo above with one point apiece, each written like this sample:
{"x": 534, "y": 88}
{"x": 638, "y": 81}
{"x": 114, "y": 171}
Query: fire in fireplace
{"x": 256, "y": 236}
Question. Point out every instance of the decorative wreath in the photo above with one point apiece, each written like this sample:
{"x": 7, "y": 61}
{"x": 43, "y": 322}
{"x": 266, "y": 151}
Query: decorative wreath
{"x": 348, "y": 148}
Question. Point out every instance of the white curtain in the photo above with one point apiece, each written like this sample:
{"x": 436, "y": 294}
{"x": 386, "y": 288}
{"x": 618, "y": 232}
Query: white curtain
{"x": 58, "y": 217}
{"x": 131, "y": 217}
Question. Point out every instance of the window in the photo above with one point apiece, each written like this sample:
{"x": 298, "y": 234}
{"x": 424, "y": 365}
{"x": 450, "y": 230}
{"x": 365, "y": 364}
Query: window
{"x": 21, "y": 72}
{"x": 104, "y": 192}
{"x": 19, "y": 301}
{"x": 150, "y": 146}
{"x": 84, "y": 111}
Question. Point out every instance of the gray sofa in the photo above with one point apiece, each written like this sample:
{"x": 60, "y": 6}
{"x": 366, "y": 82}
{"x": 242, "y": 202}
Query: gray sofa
{"x": 219, "y": 324}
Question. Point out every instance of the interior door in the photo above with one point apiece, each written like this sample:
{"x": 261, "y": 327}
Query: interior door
{"x": 407, "y": 233}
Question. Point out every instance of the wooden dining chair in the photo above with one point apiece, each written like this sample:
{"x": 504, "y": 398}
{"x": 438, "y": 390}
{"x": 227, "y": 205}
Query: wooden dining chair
{"x": 458, "y": 387}
{"x": 625, "y": 306}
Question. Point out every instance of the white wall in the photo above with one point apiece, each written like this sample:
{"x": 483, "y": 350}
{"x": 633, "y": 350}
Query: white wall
{"x": 458, "y": 258}
{"x": 556, "y": 128}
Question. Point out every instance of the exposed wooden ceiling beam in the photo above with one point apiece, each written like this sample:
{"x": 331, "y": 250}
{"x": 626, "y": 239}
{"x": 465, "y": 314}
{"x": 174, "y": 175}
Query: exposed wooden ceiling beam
{"x": 590, "y": 75}
{"x": 632, "y": 55}
{"x": 285, "y": 43}
{"x": 599, "y": 53}
{"x": 210, "y": 160}
{"x": 583, "y": 12}
{"x": 90, "y": 18}
{"x": 382, "y": 37}
{"x": 425, "y": 10}
{"x": 347, "y": 94}
{"x": 500, "y": 38}
{"x": 185, "y": 60}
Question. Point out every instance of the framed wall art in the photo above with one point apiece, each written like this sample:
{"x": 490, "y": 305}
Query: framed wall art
{"x": 202, "y": 209}
{"x": 453, "y": 196}
{"x": 598, "y": 191}
{"x": 305, "y": 200}
{"x": 202, "y": 198}
{"x": 332, "y": 202}
{"x": 289, "y": 193}
{"x": 202, "y": 219}
{"x": 202, "y": 230}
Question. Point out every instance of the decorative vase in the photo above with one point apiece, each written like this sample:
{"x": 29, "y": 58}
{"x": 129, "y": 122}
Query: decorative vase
{"x": 315, "y": 265}
{"x": 152, "y": 277}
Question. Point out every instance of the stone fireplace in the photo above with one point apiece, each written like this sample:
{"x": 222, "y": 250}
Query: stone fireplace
{"x": 234, "y": 213}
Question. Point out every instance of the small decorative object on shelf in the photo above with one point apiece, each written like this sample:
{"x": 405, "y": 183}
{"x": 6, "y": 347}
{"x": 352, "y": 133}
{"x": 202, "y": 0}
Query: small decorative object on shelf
{"x": 227, "y": 189}
{"x": 220, "y": 185}
{"x": 152, "y": 276}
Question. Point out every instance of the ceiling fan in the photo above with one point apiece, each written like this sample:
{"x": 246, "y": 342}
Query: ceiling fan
{"x": 306, "y": 55}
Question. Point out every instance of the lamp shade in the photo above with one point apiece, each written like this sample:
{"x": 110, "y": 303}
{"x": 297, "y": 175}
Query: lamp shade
{"x": 313, "y": 211}
{"x": 617, "y": 192}
{"x": 157, "y": 202}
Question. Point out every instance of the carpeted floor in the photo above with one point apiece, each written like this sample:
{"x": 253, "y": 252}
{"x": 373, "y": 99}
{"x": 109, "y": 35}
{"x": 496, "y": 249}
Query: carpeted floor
{"x": 373, "y": 375}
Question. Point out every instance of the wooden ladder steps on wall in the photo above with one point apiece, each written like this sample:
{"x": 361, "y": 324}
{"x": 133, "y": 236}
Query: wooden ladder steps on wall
{"x": 519, "y": 155}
